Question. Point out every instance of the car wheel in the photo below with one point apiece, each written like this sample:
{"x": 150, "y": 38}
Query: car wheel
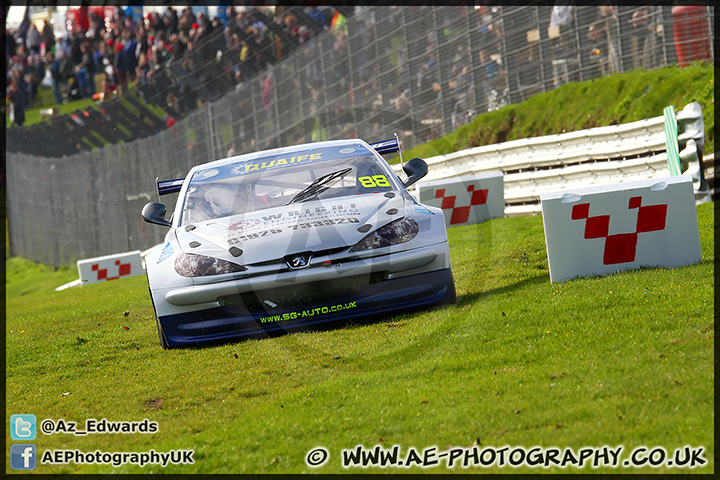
{"x": 450, "y": 296}
{"x": 161, "y": 333}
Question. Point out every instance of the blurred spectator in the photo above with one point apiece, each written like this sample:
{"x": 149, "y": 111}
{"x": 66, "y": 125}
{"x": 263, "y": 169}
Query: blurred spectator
{"x": 401, "y": 100}
{"x": 160, "y": 54}
{"x": 487, "y": 38}
{"x": 82, "y": 21}
{"x": 642, "y": 41}
{"x": 23, "y": 29}
{"x": 63, "y": 46}
{"x": 48, "y": 36}
{"x": 9, "y": 47}
{"x": 204, "y": 23}
{"x": 267, "y": 96}
{"x": 96, "y": 29}
{"x": 172, "y": 14}
{"x": 244, "y": 52}
{"x": 54, "y": 67}
{"x": 31, "y": 77}
{"x": 604, "y": 31}
{"x": 66, "y": 66}
{"x": 86, "y": 71}
{"x": 125, "y": 60}
{"x": 171, "y": 27}
{"x": 38, "y": 63}
{"x": 129, "y": 25}
{"x": 238, "y": 78}
{"x": 561, "y": 25}
{"x": 233, "y": 41}
{"x": 109, "y": 87}
{"x": 304, "y": 34}
{"x": 427, "y": 81}
{"x": 142, "y": 70}
{"x": 403, "y": 65}
{"x": 98, "y": 56}
{"x": 338, "y": 23}
{"x": 186, "y": 20}
{"x": 154, "y": 22}
{"x": 76, "y": 40}
{"x": 110, "y": 76}
{"x": 34, "y": 39}
{"x": 141, "y": 42}
{"x": 460, "y": 87}
{"x": 230, "y": 16}
{"x": 176, "y": 45}
{"x": 82, "y": 80}
{"x": 16, "y": 100}
{"x": 312, "y": 75}
{"x": 317, "y": 15}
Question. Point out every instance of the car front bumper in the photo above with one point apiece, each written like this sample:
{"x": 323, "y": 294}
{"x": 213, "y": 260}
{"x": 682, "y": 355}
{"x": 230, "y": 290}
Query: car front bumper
{"x": 394, "y": 263}
{"x": 289, "y": 308}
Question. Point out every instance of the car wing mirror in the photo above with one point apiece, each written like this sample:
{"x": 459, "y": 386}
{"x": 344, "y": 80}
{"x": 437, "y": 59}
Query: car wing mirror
{"x": 154, "y": 212}
{"x": 415, "y": 169}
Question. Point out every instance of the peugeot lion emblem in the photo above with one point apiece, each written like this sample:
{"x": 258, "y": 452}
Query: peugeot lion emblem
{"x": 296, "y": 262}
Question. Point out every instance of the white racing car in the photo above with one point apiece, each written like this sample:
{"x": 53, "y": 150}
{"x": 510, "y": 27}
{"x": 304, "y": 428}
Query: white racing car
{"x": 282, "y": 239}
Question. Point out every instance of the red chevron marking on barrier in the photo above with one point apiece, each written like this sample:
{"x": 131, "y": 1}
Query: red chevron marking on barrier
{"x": 621, "y": 248}
{"x": 461, "y": 214}
{"x": 123, "y": 269}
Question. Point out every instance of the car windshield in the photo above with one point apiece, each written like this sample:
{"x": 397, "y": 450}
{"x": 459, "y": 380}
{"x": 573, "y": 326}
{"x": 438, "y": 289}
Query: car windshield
{"x": 282, "y": 179}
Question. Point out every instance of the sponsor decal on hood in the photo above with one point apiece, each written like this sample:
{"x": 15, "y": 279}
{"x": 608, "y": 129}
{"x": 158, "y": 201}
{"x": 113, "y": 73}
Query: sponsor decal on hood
{"x": 310, "y": 226}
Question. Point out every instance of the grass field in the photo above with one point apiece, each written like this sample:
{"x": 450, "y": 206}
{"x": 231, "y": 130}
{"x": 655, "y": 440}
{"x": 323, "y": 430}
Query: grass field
{"x": 624, "y": 360}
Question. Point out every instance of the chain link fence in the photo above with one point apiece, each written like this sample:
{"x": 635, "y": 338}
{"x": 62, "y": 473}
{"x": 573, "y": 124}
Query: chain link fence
{"x": 419, "y": 71}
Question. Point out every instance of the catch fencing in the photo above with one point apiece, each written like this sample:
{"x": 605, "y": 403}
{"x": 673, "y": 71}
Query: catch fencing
{"x": 419, "y": 71}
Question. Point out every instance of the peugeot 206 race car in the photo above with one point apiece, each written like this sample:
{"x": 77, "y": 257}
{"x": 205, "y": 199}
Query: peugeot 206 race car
{"x": 286, "y": 238}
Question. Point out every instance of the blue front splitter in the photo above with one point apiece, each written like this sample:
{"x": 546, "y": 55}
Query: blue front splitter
{"x": 219, "y": 324}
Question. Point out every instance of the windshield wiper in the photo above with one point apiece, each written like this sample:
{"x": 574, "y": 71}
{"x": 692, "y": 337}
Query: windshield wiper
{"x": 318, "y": 186}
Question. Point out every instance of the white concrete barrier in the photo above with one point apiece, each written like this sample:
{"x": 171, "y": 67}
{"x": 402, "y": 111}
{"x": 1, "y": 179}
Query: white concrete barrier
{"x": 110, "y": 267}
{"x": 466, "y": 200}
{"x": 606, "y": 229}
{"x": 592, "y": 157}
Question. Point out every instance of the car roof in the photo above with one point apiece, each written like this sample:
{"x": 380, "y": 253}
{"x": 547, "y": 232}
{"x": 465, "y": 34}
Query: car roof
{"x": 281, "y": 150}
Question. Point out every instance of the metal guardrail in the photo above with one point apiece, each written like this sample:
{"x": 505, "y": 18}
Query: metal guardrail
{"x": 532, "y": 166}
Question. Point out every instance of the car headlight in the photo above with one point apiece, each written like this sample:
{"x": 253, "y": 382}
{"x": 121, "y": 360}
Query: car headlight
{"x": 399, "y": 231}
{"x": 191, "y": 265}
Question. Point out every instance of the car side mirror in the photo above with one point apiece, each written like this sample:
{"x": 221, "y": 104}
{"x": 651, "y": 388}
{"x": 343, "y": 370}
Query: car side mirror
{"x": 154, "y": 212}
{"x": 415, "y": 169}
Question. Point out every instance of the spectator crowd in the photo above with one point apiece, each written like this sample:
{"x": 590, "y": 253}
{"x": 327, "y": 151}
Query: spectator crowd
{"x": 438, "y": 67}
{"x": 99, "y": 57}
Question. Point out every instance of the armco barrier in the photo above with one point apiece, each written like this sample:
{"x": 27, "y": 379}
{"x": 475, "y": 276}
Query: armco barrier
{"x": 533, "y": 166}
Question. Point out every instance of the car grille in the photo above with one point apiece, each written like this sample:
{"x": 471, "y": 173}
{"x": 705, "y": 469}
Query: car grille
{"x": 305, "y": 295}
{"x": 318, "y": 253}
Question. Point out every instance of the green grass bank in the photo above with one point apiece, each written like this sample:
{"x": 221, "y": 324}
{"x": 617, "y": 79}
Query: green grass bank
{"x": 610, "y": 100}
{"x": 625, "y": 361}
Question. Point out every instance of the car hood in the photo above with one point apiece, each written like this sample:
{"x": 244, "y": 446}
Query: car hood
{"x": 271, "y": 234}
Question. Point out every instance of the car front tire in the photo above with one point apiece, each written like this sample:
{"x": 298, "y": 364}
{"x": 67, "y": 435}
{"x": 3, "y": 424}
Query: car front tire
{"x": 450, "y": 296}
{"x": 161, "y": 333}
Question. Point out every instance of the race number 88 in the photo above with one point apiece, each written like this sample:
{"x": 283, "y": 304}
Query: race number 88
{"x": 374, "y": 181}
